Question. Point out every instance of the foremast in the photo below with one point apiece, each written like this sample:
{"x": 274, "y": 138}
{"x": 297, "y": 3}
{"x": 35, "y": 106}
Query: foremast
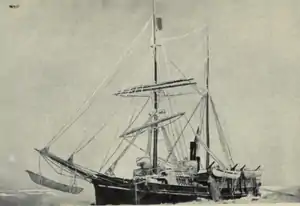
{"x": 207, "y": 103}
{"x": 155, "y": 95}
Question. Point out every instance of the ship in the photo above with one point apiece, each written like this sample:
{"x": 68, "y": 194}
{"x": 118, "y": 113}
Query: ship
{"x": 157, "y": 179}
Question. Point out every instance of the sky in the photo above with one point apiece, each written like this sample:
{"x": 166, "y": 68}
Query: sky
{"x": 54, "y": 53}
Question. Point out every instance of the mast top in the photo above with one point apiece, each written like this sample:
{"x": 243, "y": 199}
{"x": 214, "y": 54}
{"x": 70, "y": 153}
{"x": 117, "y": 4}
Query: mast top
{"x": 207, "y": 60}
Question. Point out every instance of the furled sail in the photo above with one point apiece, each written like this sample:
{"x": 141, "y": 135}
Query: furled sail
{"x": 152, "y": 87}
{"x": 149, "y": 144}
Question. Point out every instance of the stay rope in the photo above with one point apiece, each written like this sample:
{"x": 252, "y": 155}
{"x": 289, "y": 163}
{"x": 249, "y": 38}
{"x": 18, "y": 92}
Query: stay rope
{"x": 178, "y": 138}
{"x": 104, "y": 83}
{"x": 173, "y": 128}
{"x": 79, "y": 148}
{"x": 132, "y": 122}
{"x": 224, "y": 143}
{"x": 183, "y": 35}
{"x": 131, "y": 142}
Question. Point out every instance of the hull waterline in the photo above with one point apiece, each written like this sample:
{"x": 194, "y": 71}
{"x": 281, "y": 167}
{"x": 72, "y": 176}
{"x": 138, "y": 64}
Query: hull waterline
{"x": 117, "y": 195}
{"x": 114, "y": 191}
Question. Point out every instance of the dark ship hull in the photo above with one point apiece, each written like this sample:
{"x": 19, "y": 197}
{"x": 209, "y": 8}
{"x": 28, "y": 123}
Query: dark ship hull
{"x": 113, "y": 190}
{"x": 118, "y": 195}
{"x": 229, "y": 188}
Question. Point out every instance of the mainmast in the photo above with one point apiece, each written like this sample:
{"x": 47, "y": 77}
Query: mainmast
{"x": 207, "y": 102}
{"x": 155, "y": 104}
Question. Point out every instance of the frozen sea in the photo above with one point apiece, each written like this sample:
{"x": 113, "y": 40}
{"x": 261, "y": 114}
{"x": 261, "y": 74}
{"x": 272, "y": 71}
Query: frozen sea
{"x": 269, "y": 195}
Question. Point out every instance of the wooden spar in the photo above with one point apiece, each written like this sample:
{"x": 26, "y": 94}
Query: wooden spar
{"x": 207, "y": 104}
{"x": 161, "y": 83}
{"x": 70, "y": 166}
{"x": 154, "y": 87}
{"x": 151, "y": 124}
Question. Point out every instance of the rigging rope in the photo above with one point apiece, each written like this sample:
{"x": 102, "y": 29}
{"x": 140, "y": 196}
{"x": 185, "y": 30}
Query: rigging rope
{"x": 105, "y": 82}
{"x": 105, "y": 158}
{"x": 178, "y": 138}
{"x": 168, "y": 145}
{"x": 175, "y": 129}
{"x": 166, "y": 59}
{"x": 202, "y": 102}
{"x": 202, "y": 109}
{"x": 170, "y": 129}
{"x": 222, "y": 138}
{"x": 184, "y": 146}
{"x": 78, "y": 149}
{"x": 164, "y": 51}
{"x": 113, "y": 166}
{"x": 211, "y": 153}
{"x": 195, "y": 87}
{"x": 69, "y": 170}
{"x": 80, "y": 146}
{"x": 142, "y": 109}
{"x": 200, "y": 127}
{"x": 182, "y": 36}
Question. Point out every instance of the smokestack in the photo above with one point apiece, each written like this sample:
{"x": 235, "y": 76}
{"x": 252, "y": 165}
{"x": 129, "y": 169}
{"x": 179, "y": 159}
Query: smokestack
{"x": 198, "y": 163}
{"x": 192, "y": 150}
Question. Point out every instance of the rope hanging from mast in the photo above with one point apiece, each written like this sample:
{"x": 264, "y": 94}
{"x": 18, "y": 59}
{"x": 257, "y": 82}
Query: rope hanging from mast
{"x": 80, "y": 111}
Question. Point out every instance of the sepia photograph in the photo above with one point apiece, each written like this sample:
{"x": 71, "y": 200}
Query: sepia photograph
{"x": 149, "y": 102}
